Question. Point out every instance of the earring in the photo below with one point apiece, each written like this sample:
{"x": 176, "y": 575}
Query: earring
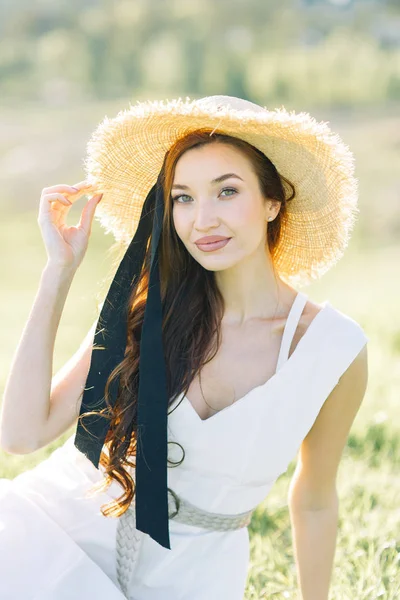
{"x": 270, "y": 218}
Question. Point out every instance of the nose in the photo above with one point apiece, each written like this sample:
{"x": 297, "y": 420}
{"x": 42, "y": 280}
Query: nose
{"x": 205, "y": 216}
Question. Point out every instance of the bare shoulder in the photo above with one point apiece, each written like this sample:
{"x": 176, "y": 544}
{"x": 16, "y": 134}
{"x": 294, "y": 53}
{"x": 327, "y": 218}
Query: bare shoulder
{"x": 310, "y": 311}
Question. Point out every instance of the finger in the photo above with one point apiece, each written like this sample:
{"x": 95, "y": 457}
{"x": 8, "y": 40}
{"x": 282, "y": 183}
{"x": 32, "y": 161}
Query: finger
{"x": 82, "y": 184}
{"x": 55, "y": 198}
{"x": 64, "y": 188}
{"x": 86, "y": 219}
{"x": 52, "y": 204}
{"x": 80, "y": 189}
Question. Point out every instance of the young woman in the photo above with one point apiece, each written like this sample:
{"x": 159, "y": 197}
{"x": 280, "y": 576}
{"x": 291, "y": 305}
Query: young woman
{"x": 215, "y": 368}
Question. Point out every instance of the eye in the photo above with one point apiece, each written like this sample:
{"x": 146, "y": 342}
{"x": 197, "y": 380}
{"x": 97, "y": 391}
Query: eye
{"x": 176, "y": 198}
{"x": 229, "y": 190}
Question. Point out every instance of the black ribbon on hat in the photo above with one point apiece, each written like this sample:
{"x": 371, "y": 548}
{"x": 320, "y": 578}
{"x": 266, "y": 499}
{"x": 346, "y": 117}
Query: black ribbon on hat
{"x": 111, "y": 332}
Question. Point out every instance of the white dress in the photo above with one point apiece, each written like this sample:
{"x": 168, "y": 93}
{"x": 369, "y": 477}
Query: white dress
{"x": 55, "y": 543}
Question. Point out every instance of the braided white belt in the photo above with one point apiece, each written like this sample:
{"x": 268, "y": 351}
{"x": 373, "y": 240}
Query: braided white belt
{"x": 129, "y": 539}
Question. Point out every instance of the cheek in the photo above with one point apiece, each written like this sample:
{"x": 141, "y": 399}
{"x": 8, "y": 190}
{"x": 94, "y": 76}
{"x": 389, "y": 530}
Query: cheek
{"x": 248, "y": 218}
{"x": 179, "y": 223}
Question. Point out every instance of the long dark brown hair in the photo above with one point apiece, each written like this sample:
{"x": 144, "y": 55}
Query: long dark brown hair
{"x": 192, "y": 309}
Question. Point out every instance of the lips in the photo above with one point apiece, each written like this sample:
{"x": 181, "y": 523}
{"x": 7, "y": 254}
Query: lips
{"x": 212, "y": 246}
{"x": 210, "y": 239}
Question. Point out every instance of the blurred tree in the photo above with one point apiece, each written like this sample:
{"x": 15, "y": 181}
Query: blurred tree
{"x": 278, "y": 50}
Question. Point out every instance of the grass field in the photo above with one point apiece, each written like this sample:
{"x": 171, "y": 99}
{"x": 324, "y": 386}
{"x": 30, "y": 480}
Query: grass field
{"x": 365, "y": 284}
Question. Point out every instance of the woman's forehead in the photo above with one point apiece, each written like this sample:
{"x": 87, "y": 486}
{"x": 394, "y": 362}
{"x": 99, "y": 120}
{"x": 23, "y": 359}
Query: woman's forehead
{"x": 209, "y": 166}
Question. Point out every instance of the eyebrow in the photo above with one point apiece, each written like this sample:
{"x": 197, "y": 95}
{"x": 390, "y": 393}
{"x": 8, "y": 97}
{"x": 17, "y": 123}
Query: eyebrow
{"x": 214, "y": 181}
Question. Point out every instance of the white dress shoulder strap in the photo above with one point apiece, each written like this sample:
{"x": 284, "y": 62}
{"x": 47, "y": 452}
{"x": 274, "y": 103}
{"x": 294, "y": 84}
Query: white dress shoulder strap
{"x": 290, "y": 327}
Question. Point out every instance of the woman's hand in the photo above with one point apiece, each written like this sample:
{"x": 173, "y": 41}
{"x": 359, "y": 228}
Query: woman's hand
{"x": 66, "y": 246}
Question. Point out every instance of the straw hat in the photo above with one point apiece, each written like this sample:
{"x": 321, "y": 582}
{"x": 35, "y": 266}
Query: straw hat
{"x": 126, "y": 153}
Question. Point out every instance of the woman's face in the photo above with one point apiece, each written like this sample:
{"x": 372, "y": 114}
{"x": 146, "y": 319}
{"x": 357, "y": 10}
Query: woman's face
{"x": 233, "y": 208}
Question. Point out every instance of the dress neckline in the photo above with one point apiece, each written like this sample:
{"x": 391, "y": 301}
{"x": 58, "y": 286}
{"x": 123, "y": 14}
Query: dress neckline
{"x": 280, "y": 370}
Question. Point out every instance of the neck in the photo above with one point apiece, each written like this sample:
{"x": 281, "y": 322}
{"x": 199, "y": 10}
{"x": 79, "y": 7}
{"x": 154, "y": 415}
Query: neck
{"x": 252, "y": 291}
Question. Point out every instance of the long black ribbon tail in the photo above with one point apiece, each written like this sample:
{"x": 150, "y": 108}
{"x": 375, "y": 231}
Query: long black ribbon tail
{"x": 111, "y": 333}
{"x": 151, "y": 452}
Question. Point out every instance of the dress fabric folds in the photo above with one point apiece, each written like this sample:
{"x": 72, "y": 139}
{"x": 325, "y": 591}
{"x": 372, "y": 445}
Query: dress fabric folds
{"x": 55, "y": 544}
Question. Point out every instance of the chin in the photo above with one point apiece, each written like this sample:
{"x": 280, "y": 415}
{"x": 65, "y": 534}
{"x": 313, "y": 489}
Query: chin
{"x": 215, "y": 263}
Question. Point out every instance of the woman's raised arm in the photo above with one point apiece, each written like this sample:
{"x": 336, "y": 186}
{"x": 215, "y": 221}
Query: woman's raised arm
{"x": 26, "y": 400}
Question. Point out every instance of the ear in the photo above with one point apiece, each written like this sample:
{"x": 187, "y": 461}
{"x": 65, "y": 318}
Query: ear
{"x": 272, "y": 208}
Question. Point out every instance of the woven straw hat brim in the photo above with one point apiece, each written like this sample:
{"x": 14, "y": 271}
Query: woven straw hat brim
{"x": 125, "y": 155}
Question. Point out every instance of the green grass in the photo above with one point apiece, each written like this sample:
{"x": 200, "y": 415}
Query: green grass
{"x": 364, "y": 285}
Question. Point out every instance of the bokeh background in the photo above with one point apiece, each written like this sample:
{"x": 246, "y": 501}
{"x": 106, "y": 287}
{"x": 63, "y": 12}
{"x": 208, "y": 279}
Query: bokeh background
{"x": 65, "y": 65}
